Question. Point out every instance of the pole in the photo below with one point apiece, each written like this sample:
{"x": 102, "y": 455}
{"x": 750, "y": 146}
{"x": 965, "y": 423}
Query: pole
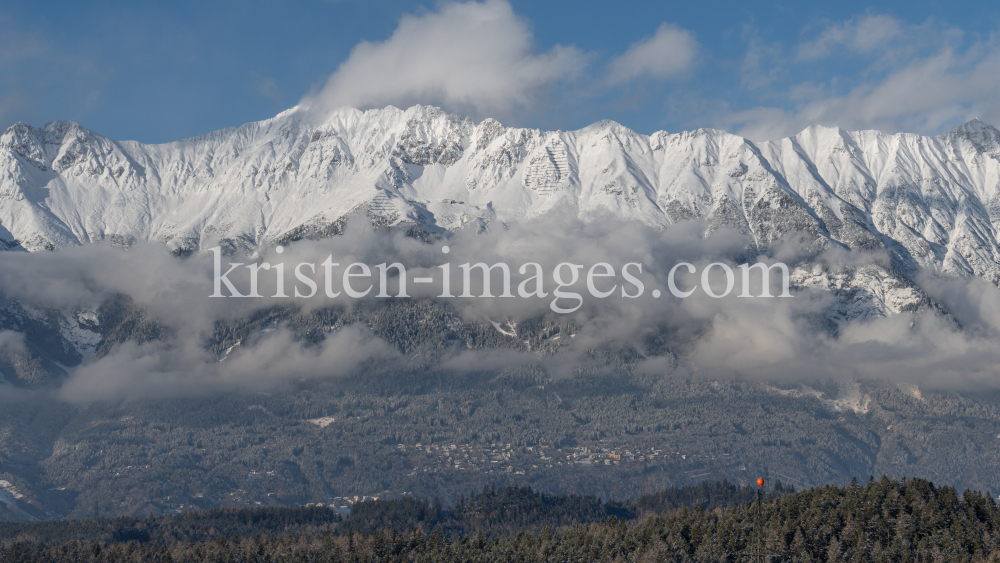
{"x": 759, "y": 528}
{"x": 757, "y": 543}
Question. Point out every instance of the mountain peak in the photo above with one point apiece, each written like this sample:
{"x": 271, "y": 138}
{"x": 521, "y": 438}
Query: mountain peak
{"x": 973, "y": 126}
{"x": 818, "y": 130}
{"x": 983, "y": 137}
{"x": 57, "y": 131}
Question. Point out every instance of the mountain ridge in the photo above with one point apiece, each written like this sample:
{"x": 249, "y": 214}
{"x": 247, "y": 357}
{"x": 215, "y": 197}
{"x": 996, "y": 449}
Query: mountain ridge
{"x": 932, "y": 202}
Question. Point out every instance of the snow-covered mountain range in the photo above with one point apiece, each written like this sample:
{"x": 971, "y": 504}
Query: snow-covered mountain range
{"x": 932, "y": 202}
{"x": 929, "y": 203}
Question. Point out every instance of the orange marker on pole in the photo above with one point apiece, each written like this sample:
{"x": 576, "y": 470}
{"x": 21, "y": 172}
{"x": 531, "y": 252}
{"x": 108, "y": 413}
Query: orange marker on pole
{"x": 760, "y": 482}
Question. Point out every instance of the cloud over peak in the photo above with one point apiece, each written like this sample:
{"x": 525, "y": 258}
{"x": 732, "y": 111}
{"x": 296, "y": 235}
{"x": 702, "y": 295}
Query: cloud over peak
{"x": 475, "y": 58}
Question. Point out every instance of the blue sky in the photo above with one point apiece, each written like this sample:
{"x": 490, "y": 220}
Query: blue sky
{"x": 165, "y": 71}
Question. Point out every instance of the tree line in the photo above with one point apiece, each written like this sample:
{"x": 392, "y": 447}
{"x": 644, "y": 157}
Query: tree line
{"x": 884, "y": 520}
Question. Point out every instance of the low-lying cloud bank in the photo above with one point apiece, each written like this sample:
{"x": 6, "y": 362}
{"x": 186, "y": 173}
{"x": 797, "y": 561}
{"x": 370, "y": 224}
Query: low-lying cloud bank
{"x": 182, "y": 368}
{"x": 948, "y": 343}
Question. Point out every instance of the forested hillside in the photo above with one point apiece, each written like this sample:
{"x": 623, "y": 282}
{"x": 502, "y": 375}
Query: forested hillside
{"x": 885, "y": 520}
{"x": 494, "y": 511}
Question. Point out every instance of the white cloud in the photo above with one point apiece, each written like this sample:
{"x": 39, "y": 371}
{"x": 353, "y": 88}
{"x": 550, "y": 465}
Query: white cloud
{"x": 472, "y": 58}
{"x": 861, "y": 34}
{"x": 12, "y": 341}
{"x": 158, "y": 369}
{"x": 668, "y": 52}
{"x": 918, "y": 80}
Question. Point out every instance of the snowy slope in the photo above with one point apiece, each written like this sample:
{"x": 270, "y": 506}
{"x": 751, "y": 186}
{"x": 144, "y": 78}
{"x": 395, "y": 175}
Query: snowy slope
{"x": 933, "y": 202}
